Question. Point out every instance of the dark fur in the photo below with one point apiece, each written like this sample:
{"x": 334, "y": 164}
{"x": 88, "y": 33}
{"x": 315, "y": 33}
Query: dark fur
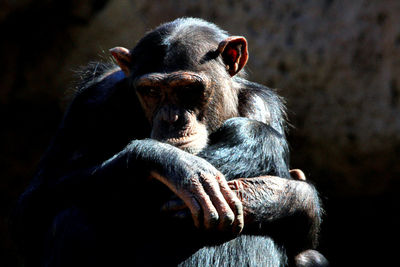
{"x": 244, "y": 148}
{"x": 89, "y": 202}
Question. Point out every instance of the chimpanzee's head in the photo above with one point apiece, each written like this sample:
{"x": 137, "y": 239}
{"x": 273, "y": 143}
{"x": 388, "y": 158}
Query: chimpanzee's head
{"x": 182, "y": 73}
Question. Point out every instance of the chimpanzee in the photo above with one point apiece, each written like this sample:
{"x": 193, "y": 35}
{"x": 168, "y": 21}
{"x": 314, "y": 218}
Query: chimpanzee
{"x": 177, "y": 110}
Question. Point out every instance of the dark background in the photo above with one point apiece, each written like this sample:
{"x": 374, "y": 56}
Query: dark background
{"x": 336, "y": 62}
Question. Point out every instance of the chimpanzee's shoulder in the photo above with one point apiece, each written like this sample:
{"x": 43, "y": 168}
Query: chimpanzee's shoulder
{"x": 255, "y": 89}
{"x": 103, "y": 74}
{"x": 259, "y": 102}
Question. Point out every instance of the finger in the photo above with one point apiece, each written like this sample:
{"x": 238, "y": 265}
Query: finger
{"x": 226, "y": 214}
{"x": 173, "y": 205}
{"x": 186, "y": 196}
{"x": 234, "y": 203}
{"x": 194, "y": 207}
{"x": 235, "y": 185}
{"x": 297, "y": 174}
{"x": 210, "y": 213}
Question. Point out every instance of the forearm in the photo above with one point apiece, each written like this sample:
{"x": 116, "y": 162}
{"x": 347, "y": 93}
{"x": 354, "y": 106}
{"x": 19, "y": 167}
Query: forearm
{"x": 137, "y": 159}
{"x": 122, "y": 179}
{"x": 66, "y": 185}
{"x": 271, "y": 202}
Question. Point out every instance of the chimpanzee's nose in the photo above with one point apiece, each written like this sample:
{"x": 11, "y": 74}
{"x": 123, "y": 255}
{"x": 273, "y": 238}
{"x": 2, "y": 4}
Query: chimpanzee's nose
{"x": 172, "y": 118}
{"x": 170, "y": 115}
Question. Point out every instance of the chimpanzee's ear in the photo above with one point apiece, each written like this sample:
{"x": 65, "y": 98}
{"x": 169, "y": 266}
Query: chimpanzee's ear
{"x": 234, "y": 53}
{"x": 123, "y": 58}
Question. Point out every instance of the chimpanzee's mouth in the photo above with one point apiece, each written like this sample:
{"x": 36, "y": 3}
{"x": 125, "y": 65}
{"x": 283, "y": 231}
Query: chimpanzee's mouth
{"x": 190, "y": 139}
{"x": 181, "y": 142}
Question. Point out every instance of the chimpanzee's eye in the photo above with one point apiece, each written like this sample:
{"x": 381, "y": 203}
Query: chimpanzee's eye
{"x": 191, "y": 94}
{"x": 149, "y": 91}
{"x": 153, "y": 92}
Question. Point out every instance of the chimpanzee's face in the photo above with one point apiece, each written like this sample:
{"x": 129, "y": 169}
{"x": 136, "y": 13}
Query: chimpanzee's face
{"x": 175, "y": 105}
{"x": 182, "y": 76}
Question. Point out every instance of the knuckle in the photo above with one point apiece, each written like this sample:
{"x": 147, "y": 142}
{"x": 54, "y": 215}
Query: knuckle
{"x": 194, "y": 184}
{"x": 202, "y": 176}
{"x": 234, "y": 185}
{"x": 220, "y": 176}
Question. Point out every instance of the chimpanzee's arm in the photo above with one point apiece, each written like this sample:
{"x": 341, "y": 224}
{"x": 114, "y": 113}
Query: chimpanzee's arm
{"x": 193, "y": 179}
{"x": 290, "y": 208}
{"x": 269, "y": 199}
{"x": 246, "y": 148}
{"x": 286, "y": 209}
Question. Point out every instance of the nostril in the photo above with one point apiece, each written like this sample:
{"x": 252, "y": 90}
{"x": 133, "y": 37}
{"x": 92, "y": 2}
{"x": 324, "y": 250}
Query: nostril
{"x": 174, "y": 118}
{"x": 173, "y": 115}
{"x": 170, "y": 118}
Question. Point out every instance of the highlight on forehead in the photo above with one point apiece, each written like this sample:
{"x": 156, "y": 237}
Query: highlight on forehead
{"x": 193, "y": 29}
{"x": 172, "y": 79}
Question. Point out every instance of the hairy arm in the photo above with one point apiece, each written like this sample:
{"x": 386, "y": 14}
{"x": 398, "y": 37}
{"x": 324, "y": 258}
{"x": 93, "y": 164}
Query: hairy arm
{"x": 193, "y": 179}
{"x": 289, "y": 210}
{"x": 271, "y": 202}
{"x": 245, "y": 150}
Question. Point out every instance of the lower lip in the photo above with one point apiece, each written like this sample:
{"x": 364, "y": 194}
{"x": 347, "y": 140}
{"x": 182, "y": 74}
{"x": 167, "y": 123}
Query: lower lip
{"x": 180, "y": 143}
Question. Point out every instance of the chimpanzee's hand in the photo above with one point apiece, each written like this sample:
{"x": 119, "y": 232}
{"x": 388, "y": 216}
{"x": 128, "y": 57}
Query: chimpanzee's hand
{"x": 253, "y": 193}
{"x": 297, "y": 174}
{"x": 205, "y": 192}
